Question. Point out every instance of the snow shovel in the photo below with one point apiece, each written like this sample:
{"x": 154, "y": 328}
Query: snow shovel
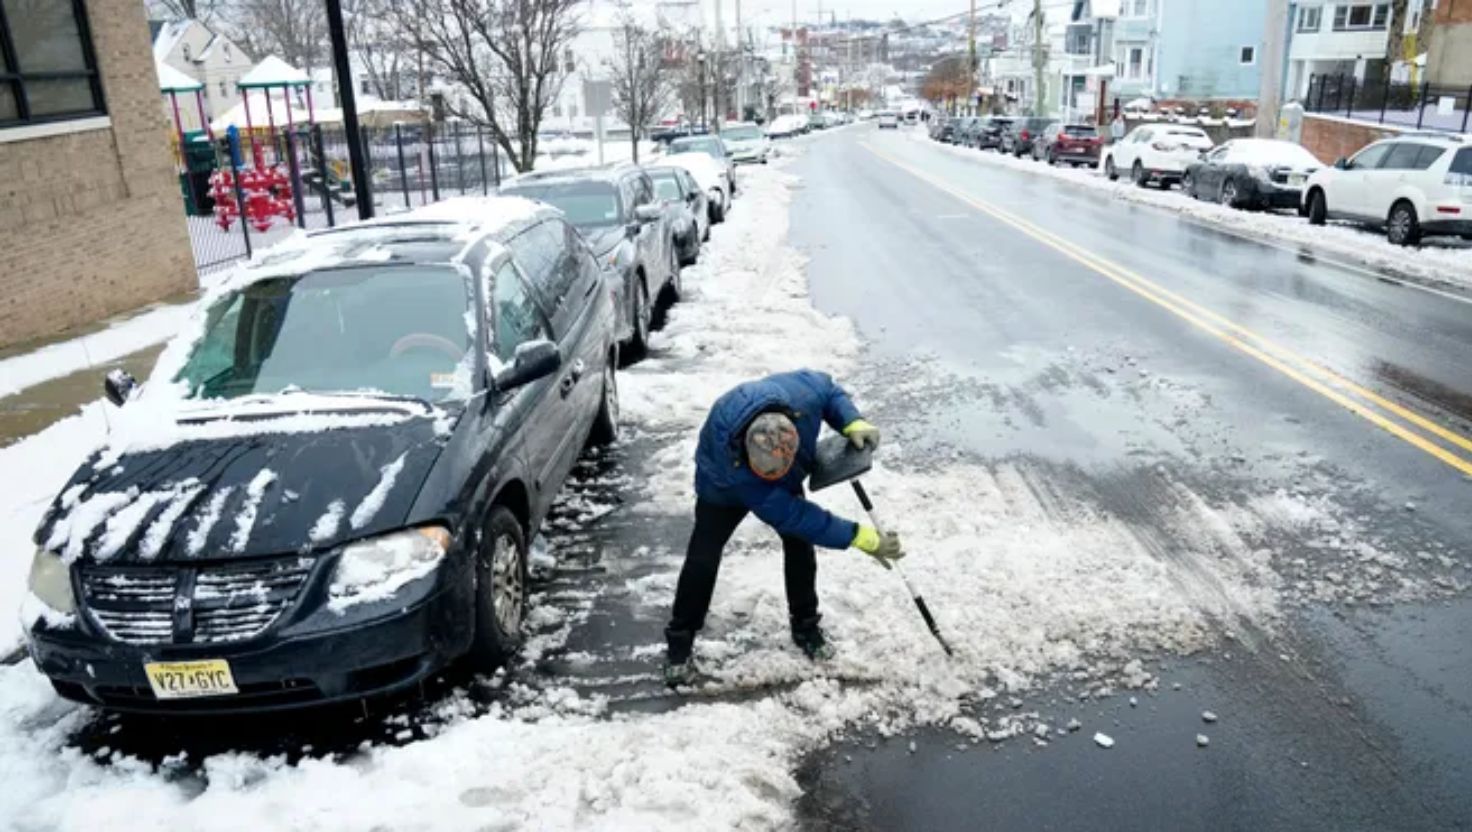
{"x": 838, "y": 460}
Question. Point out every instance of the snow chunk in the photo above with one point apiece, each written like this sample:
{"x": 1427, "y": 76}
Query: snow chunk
{"x": 200, "y": 534}
{"x": 327, "y": 525}
{"x": 245, "y": 520}
{"x": 69, "y": 535}
{"x": 1202, "y": 740}
{"x": 1103, "y": 740}
{"x": 33, "y": 609}
{"x": 363, "y": 514}
{"x": 1208, "y": 716}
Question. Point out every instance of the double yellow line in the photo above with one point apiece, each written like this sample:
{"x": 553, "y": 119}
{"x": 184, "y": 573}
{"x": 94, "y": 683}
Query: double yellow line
{"x": 1412, "y": 427}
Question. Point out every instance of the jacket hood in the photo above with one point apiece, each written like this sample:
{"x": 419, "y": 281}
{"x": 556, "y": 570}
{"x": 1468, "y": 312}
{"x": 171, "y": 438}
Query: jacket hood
{"x": 247, "y": 495}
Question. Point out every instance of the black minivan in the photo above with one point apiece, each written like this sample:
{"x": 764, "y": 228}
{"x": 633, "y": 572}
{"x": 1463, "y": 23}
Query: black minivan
{"x": 326, "y": 489}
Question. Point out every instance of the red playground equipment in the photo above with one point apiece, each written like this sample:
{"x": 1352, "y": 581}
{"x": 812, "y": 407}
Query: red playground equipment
{"x": 264, "y": 187}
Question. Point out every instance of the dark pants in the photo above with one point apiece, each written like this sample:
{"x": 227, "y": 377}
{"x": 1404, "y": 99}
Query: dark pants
{"x": 714, "y": 525}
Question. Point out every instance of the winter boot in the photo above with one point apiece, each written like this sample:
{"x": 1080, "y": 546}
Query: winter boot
{"x": 813, "y": 643}
{"x": 679, "y": 665}
{"x": 680, "y": 674}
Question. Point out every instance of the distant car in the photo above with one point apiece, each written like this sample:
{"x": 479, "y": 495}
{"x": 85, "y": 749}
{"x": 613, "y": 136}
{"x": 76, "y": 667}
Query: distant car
{"x": 1156, "y": 153}
{"x": 1076, "y": 144}
{"x": 715, "y": 148}
{"x": 1252, "y": 173}
{"x": 674, "y": 186}
{"x": 747, "y": 143}
{"x": 1020, "y": 135}
{"x": 627, "y": 228}
{"x": 711, "y": 175}
{"x": 986, "y": 133}
{"x": 888, "y": 121}
{"x": 327, "y": 490}
{"x": 1414, "y": 185}
{"x": 787, "y": 126}
{"x": 943, "y": 129}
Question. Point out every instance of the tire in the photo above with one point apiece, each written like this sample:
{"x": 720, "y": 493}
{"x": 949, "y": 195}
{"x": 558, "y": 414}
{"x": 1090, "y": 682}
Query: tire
{"x": 500, "y": 590}
{"x": 1109, "y": 172}
{"x": 718, "y": 212}
{"x": 1318, "y": 209}
{"x": 674, "y": 288}
{"x": 689, "y": 258}
{"x": 1052, "y": 159}
{"x": 1137, "y": 175}
{"x": 1403, "y": 227}
{"x": 643, "y": 318}
{"x": 1229, "y": 195}
{"x": 605, "y": 424}
{"x": 1188, "y": 185}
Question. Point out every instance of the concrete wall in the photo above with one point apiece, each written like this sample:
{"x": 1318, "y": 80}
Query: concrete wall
{"x": 1449, "y": 48}
{"x": 1200, "y": 48}
{"x": 91, "y": 221}
{"x": 1330, "y": 138}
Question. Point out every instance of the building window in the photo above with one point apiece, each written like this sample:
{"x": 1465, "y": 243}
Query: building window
{"x": 1310, "y": 18}
{"x": 1134, "y": 62}
{"x": 48, "y": 71}
{"x": 1361, "y": 16}
{"x": 224, "y": 89}
{"x": 1137, "y": 8}
{"x": 567, "y": 61}
{"x": 1248, "y": 55}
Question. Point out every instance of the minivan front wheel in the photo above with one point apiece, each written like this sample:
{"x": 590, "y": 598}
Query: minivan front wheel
{"x": 605, "y": 424}
{"x": 500, "y": 590}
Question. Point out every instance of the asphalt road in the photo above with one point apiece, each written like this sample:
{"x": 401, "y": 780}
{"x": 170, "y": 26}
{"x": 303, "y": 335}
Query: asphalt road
{"x": 1063, "y": 315}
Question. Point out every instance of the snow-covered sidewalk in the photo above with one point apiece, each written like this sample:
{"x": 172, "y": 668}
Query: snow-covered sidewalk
{"x": 1025, "y": 589}
{"x": 1439, "y": 263}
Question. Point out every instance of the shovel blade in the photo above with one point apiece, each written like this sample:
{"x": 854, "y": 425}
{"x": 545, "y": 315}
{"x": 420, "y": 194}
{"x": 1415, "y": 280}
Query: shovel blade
{"x": 838, "y": 461}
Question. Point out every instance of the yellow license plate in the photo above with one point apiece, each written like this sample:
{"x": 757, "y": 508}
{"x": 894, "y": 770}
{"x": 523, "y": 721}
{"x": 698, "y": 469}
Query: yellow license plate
{"x": 188, "y": 680}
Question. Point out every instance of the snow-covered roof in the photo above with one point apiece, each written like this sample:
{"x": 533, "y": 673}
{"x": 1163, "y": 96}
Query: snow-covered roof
{"x": 168, "y": 35}
{"x": 258, "y": 115}
{"x": 172, "y": 80}
{"x": 272, "y": 71}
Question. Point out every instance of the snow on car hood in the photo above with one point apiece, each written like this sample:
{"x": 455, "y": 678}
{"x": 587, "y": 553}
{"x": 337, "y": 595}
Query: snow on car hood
{"x": 707, "y": 171}
{"x": 243, "y": 494}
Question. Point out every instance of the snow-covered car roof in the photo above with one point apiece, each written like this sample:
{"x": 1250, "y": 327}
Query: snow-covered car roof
{"x": 707, "y": 171}
{"x": 1267, "y": 152}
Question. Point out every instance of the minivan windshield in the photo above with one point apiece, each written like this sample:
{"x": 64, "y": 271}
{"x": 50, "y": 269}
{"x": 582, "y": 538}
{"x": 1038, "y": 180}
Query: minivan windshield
{"x": 586, "y": 204}
{"x": 396, "y": 330}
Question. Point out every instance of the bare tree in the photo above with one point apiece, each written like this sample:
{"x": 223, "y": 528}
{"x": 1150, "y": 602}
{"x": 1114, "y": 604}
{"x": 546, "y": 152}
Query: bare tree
{"x": 201, "y": 10}
{"x": 507, "y": 56}
{"x": 392, "y": 66}
{"x": 293, "y": 30}
{"x": 639, "y": 75}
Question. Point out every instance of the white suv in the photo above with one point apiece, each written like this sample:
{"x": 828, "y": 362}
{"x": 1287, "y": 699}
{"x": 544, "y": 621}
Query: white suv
{"x": 1416, "y": 184}
{"x": 1156, "y": 153}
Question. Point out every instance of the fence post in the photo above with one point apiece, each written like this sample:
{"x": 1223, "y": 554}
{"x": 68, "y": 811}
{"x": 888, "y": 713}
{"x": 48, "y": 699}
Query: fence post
{"x": 295, "y": 169}
{"x": 1349, "y": 111}
{"x": 403, "y": 169}
{"x": 367, "y": 186}
{"x": 1467, "y": 112}
{"x": 1338, "y": 90}
{"x": 434, "y": 180}
{"x": 240, "y": 202}
{"x": 1421, "y": 113}
{"x": 496, "y": 162}
{"x": 320, "y": 163}
{"x": 1385, "y": 99}
{"x": 1319, "y": 108}
{"x": 480, "y": 143}
{"x": 459, "y": 160}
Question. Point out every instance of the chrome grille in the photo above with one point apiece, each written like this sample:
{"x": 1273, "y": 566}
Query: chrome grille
{"x": 137, "y": 605}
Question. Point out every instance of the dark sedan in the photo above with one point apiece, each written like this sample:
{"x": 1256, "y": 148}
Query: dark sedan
{"x": 1252, "y": 173}
{"x": 1019, "y": 136}
{"x": 987, "y": 132}
{"x": 1076, "y": 144}
{"x": 326, "y": 490}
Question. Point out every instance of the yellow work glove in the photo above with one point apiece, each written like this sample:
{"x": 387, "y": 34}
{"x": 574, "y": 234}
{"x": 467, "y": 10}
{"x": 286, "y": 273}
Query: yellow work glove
{"x": 862, "y": 434}
{"x": 883, "y": 547}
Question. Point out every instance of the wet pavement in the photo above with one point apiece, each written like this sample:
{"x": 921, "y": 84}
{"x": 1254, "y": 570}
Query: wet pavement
{"x": 1112, "y": 366}
{"x": 36, "y": 408}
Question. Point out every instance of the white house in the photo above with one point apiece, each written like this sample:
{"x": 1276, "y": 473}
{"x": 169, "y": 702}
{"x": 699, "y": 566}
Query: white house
{"x": 204, "y": 55}
{"x": 1335, "y": 37}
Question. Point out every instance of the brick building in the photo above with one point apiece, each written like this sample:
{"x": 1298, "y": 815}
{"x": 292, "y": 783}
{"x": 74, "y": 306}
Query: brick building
{"x": 91, "y": 221}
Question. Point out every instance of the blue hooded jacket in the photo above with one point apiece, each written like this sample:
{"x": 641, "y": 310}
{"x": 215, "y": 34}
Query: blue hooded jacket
{"x": 723, "y": 477}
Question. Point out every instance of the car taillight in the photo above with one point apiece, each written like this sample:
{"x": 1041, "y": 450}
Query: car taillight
{"x": 1023, "y": 136}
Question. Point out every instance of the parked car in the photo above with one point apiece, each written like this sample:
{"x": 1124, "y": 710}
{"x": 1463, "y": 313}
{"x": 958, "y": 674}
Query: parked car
{"x": 678, "y": 190}
{"x": 986, "y": 133}
{"x": 713, "y": 147}
{"x": 1252, "y": 173}
{"x": 747, "y": 143}
{"x": 1414, "y": 185}
{"x": 326, "y": 489}
{"x": 888, "y": 121}
{"x": 943, "y": 129}
{"x": 629, "y": 231}
{"x": 711, "y": 175}
{"x": 787, "y": 126}
{"x": 1156, "y": 153}
{"x": 1077, "y": 144}
{"x": 1020, "y": 135}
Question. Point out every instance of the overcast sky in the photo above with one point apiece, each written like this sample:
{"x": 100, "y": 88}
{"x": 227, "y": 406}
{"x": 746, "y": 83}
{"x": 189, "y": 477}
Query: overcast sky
{"x": 807, "y": 10}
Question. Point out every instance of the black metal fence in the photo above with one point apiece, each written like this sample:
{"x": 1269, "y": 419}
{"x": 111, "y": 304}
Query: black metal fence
{"x": 275, "y": 181}
{"x": 1422, "y": 106}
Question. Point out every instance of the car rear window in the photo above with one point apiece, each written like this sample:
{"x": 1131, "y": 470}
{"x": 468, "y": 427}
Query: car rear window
{"x": 1460, "y": 172}
{"x": 1080, "y": 130}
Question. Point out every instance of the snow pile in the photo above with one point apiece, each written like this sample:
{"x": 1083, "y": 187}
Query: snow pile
{"x": 122, "y": 338}
{"x": 1437, "y": 263}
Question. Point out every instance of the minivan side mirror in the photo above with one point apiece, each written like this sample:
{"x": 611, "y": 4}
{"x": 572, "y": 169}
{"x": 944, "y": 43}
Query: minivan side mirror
{"x": 533, "y": 360}
{"x": 118, "y": 385}
{"x": 1341, "y": 163}
{"x": 647, "y": 213}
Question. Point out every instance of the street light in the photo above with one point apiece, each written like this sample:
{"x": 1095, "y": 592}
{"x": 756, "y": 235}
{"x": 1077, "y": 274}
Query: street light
{"x": 700, "y": 60}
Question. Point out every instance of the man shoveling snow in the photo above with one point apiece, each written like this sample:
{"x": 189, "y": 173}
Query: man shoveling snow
{"x": 757, "y": 446}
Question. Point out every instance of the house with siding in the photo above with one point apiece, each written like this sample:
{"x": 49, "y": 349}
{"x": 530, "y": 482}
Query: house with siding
{"x": 90, "y": 217}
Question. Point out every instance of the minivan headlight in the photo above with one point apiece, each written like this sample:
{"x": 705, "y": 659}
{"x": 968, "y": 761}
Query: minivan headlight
{"x": 51, "y": 582}
{"x": 375, "y": 568}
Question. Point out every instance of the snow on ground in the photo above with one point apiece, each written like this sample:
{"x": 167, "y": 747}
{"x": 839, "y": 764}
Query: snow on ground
{"x": 1023, "y": 587}
{"x": 1439, "y": 261}
{"x": 121, "y": 338}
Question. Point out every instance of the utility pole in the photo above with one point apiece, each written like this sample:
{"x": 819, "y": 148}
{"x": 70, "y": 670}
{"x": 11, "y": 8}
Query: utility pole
{"x": 1274, "y": 59}
{"x": 356, "y": 161}
{"x": 1039, "y": 60}
{"x": 720, "y": 69}
{"x": 971, "y": 64}
{"x": 740, "y": 67}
